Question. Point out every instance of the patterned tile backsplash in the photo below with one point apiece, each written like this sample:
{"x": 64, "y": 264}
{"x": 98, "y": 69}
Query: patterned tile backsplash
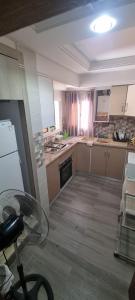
{"x": 40, "y": 138}
{"x": 39, "y": 148}
{"x": 126, "y": 124}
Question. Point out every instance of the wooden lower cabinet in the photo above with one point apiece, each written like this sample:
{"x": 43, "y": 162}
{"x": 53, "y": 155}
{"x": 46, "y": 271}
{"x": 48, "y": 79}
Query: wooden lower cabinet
{"x": 116, "y": 163}
{"x": 98, "y": 160}
{"x": 53, "y": 179}
{"x": 108, "y": 161}
{"x": 83, "y": 158}
{"x": 53, "y": 174}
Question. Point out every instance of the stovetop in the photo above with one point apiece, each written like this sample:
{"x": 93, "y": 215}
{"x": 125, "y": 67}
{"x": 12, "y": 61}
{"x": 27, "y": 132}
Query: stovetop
{"x": 53, "y": 147}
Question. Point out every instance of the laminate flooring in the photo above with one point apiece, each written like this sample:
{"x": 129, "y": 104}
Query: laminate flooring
{"x": 78, "y": 257}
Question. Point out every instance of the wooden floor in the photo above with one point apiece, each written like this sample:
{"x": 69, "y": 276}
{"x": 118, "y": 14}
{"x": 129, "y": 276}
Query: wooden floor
{"x": 78, "y": 258}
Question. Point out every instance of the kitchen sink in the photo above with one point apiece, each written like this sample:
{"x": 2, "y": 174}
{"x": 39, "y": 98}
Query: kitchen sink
{"x": 53, "y": 147}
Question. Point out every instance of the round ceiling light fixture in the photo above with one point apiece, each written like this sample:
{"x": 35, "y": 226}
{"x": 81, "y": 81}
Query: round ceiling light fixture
{"x": 103, "y": 24}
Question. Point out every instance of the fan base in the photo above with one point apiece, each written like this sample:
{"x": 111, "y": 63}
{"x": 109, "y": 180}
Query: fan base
{"x": 39, "y": 281}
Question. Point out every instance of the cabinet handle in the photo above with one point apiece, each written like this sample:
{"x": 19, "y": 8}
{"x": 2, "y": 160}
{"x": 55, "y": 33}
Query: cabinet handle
{"x": 107, "y": 154}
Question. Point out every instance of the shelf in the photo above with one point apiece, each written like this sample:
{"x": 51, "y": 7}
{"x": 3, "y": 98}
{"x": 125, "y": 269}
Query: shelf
{"x": 101, "y": 121}
{"x": 130, "y": 187}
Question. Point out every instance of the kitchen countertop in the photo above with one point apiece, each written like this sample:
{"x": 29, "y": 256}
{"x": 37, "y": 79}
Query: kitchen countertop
{"x": 50, "y": 157}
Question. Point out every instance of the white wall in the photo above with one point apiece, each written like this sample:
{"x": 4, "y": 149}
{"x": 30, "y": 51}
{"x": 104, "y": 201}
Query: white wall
{"x": 104, "y": 79}
{"x": 55, "y": 71}
{"x": 58, "y": 96}
{"x": 46, "y": 94}
{"x": 35, "y": 115}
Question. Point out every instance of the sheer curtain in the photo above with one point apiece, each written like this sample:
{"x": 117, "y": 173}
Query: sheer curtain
{"x": 78, "y": 109}
{"x": 85, "y": 113}
{"x": 71, "y": 113}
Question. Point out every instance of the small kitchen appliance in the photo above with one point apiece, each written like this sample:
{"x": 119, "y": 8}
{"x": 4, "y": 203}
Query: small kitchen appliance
{"x": 120, "y": 136}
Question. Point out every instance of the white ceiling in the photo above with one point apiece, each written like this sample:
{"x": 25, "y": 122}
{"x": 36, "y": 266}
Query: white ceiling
{"x": 112, "y": 45}
{"x": 73, "y": 46}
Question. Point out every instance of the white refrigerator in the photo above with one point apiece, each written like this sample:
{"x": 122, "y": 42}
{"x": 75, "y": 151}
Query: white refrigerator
{"x": 10, "y": 169}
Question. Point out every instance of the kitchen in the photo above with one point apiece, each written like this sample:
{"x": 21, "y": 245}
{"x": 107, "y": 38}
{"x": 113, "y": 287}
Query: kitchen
{"x": 76, "y": 115}
{"x": 111, "y": 143}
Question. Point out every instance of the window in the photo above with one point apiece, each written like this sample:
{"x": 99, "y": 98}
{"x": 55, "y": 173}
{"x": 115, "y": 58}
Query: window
{"x": 84, "y": 114}
{"x": 79, "y": 112}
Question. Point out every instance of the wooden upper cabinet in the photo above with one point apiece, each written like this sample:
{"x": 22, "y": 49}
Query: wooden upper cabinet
{"x": 14, "y": 80}
{"x": 99, "y": 160}
{"x": 130, "y": 103}
{"x": 83, "y": 158}
{"x": 10, "y": 82}
{"x": 102, "y": 100}
{"x": 118, "y": 100}
{"x": 115, "y": 163}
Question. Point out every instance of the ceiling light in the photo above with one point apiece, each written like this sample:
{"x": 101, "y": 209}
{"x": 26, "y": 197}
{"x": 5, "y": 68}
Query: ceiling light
{"x": 103, "y": 24}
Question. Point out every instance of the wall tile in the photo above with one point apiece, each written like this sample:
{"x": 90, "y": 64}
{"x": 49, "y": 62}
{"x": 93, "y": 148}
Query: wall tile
{"x": 115, "y": 123}
{"x": 39, "y": 148}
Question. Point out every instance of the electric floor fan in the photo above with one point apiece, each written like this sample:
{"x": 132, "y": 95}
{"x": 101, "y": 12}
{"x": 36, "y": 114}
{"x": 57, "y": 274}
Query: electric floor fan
{"x": 23, "y": 221}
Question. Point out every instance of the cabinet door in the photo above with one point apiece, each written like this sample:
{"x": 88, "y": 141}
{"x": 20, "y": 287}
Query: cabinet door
{"x": 83, "y": 158}
{"x": 116, "y": 162}
{"x": 53, "y": 180}
{"x": 46, "y": 101}
{"x": 98, "y": 160}
{"x": 14, "y": 81}
{"x": 10, "y": 87}
{"x": 4, "y": 88}
{"x": 130, "y": 104}
{"x": 118, "y": 100}
{"x": 102, "y": 108}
